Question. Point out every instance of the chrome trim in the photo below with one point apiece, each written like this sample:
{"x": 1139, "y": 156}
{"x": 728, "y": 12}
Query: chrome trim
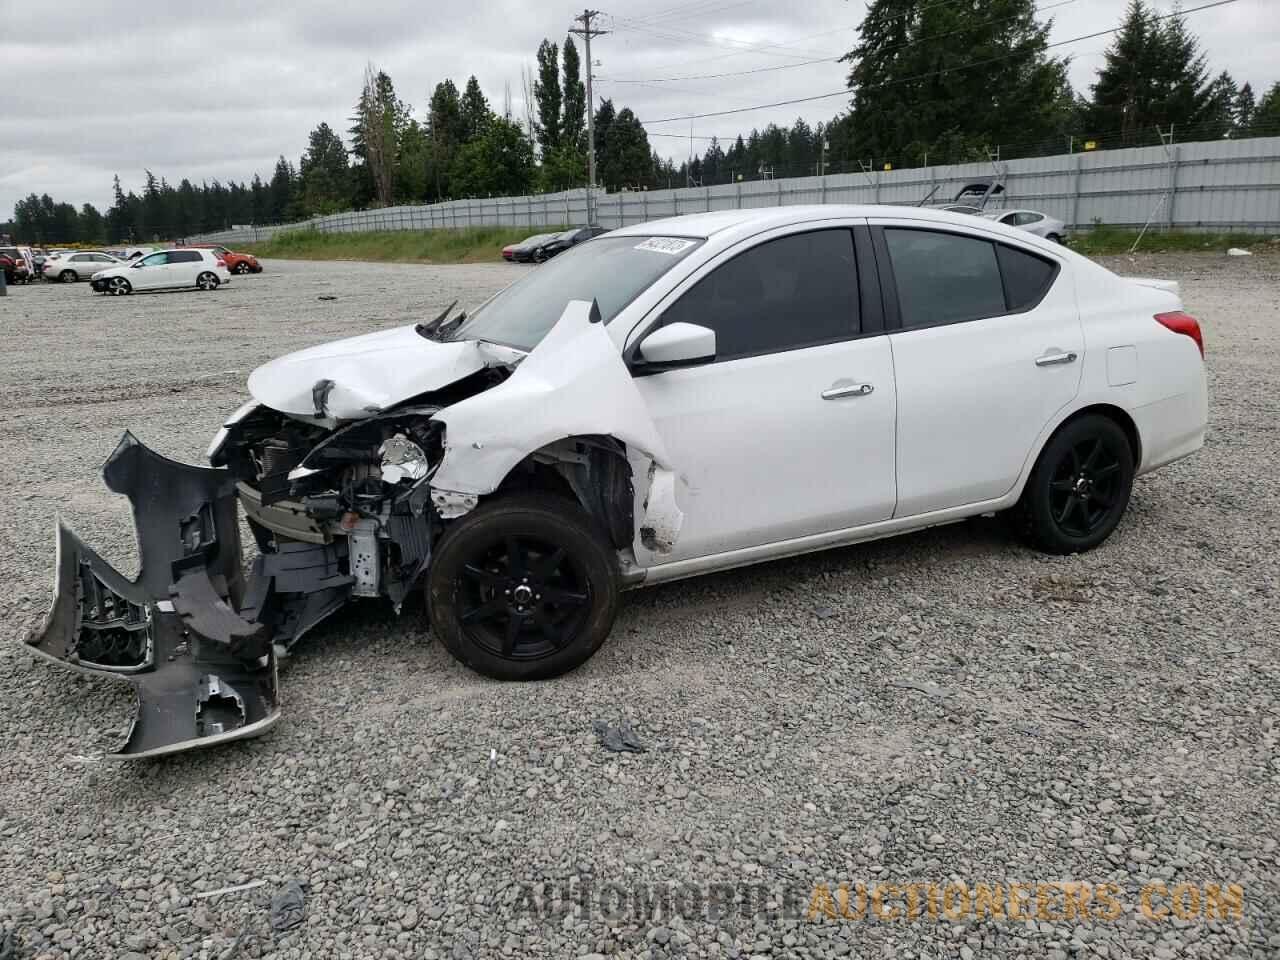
{"x": 1051, "y": 359}
{"x": 850, "y": 390}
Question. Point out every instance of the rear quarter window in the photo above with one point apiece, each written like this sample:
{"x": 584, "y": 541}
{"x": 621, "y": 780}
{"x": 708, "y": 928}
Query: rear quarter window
{"x": 1027, "y": 278}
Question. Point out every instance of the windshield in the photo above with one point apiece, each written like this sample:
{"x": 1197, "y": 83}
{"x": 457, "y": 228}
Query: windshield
{"x": 613, "y": 271}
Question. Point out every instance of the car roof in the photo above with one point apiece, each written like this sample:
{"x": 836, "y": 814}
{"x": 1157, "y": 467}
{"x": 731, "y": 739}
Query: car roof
{"x": 746, "y": 222}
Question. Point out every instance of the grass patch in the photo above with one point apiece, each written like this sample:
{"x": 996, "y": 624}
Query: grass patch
{"x": 1104, "y": 240}
{"x": 468, "y": 245}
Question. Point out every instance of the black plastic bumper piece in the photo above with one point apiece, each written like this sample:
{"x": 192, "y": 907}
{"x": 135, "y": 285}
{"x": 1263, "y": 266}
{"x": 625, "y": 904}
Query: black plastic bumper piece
{"x": 202, "y": 672}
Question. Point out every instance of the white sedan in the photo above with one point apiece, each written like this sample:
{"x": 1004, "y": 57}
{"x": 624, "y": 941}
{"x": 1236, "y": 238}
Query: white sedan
{"x": 193, "y": 269}
{"x": 671, "y": 399}
{"x": 1032, "y": 221}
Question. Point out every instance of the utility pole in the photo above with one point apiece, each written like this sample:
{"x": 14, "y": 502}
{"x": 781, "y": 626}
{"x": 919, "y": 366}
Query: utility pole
{"x": 586, "y": 32}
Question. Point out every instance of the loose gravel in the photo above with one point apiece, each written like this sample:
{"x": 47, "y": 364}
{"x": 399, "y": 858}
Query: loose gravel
{"x": 946, "y": 706}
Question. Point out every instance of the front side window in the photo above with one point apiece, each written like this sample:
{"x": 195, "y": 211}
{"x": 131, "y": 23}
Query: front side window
{"x": 156, "y": 259}
{"x": 613, "y": 271}
{"x": 793, "y": 292}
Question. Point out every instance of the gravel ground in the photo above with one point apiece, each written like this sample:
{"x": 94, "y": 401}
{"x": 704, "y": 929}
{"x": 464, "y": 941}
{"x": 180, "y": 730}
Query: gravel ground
{"x": 941, "y": 707}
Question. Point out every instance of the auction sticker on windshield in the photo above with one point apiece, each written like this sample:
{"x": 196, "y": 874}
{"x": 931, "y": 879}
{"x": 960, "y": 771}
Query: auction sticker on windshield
{"x": 668, "y": 245}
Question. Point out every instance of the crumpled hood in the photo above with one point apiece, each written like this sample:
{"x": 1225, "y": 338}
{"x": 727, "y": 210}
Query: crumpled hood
{"x": 369, "y": 373}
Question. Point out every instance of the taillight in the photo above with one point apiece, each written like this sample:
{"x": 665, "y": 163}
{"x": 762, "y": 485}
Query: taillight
{"x": 222, "y": 263}
{"x": 1179, "y": 322}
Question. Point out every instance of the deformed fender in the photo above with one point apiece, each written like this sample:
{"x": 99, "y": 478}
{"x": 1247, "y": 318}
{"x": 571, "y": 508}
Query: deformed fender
{"x": 574, "y": 383}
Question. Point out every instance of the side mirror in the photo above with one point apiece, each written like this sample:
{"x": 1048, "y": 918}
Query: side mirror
{"x": 675, "y": 345}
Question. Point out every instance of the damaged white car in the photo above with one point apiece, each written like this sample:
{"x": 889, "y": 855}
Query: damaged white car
{"x": 670, "y": 399}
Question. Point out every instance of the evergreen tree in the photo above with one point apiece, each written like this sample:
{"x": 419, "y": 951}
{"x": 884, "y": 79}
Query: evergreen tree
{"x": 446, "y": 131}
{"x": 324, "y": 173}
{"x": 1266, "y": 118}
{"x": 1244, "y": 108}
{"x": 547, "y": 93}
{"x": 915, "y": 90}
{"x": 499, "y": 162}
{"x": 574, "y": 125}
{"x": 475, "y": 111}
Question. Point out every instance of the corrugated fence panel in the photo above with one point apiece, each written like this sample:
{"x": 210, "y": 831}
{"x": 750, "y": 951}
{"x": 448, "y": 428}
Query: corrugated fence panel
{"x": 1222, "y": 184}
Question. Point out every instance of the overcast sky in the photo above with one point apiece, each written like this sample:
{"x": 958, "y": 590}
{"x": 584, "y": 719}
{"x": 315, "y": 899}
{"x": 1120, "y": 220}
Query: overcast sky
{"x": 219, "y": 90}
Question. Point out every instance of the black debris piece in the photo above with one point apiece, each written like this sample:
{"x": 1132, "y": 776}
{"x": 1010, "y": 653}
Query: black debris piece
{"x": 326, "y": 296}
{"x": 619, "y": 739}
{"x": 288, "y": 906}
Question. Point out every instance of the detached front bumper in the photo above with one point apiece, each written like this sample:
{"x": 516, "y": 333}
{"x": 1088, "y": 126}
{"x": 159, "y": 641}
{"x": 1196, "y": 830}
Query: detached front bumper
{"x": 186, "y": 634}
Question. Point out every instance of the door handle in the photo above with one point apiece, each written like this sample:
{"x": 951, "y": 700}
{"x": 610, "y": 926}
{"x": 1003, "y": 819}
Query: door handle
{"x": 1052, "y": 359}
{"x": 849, "y": 390}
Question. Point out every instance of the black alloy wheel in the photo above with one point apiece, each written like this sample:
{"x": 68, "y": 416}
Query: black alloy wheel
{"x": 1080, "y": 486}
{"x": 523, "y": 588}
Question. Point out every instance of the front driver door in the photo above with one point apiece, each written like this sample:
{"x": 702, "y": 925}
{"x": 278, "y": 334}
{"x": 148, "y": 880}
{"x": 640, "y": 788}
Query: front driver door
{"x": 789, "y": 432}
{"x": 151, "y": 272}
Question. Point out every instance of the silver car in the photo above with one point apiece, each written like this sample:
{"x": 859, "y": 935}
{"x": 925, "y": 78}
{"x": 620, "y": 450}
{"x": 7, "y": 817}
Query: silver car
{"x": 1032, "y": 221}
{"x": 77, "y": 265}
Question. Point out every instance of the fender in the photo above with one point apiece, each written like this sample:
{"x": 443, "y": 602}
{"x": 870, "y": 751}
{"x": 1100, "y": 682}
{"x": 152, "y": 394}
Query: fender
{"x": 574, "y": 383}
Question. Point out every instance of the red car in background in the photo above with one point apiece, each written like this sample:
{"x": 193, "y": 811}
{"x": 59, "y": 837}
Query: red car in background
{"x": 240, "y": 263}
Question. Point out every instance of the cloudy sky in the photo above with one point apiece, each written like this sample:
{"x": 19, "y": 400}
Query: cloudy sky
{"x": 219, "y": 90}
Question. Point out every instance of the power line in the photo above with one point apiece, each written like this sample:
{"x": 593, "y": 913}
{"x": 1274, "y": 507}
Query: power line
{"x": 934, "y": 73}
{"x": 806, "y": 63}
{"x": 745, "y": 46}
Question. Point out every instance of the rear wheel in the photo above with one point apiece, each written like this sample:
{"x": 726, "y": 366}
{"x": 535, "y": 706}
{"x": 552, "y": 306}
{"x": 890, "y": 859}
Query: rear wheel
{"x": 523, "y": 588}
{"x": 119, "y": 286}
{"x": 1079, "y": 488}
{"x": 207, "y": 281}
{"x": 68, "y": 276}
{"x": 241, "y": 268}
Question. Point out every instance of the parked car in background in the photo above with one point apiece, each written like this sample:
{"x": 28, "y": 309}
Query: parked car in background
{"x": 561, "y": 242}
{"x": 165, "y": 270}
{"x": 133, "y": 253}
{"x": 240, "y": 263}
{"x": 1032, "y": 221}
{"x": 20, "y": 266}
{"x": 522, "y": 252}
{"x": 77, "y": 265}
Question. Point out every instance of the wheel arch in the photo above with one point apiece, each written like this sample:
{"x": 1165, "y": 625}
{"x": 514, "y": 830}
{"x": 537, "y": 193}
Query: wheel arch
{"x": 1111, "y": 411}
{"x": 592, "y": 470}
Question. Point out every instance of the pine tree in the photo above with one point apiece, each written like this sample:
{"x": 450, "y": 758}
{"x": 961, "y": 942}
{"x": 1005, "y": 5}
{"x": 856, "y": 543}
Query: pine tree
{"x": 546, "y": 90}
{"x": 475, "y": 111}
{"x": 1266, "y": 118}
{"x": 324, "y": 172}
{"x": 574, "y": 125}
{"x": 1245, "y": 107}
{"x": 916, "y": 89}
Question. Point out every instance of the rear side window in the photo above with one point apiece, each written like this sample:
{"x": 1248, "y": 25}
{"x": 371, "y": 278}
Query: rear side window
{"x": 784, "y": 294}
{"x": 1026, "y": 277}
{"x": 944, "y": 277}
{"x": 949, "y": 278}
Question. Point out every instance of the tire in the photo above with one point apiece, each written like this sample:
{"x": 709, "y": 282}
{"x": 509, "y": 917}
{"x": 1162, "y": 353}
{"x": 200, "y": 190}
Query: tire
{"x": 1054, "y": 238}
{"x": 207, "y": 281}
{"x": 68, "y": 276}
{"x": 241, "y": 269}
{"x": 539, "y": 256}
{"x": 119, "y": 287}
{"x": 1091, "y": 456}
{"x": 530, "y": 544}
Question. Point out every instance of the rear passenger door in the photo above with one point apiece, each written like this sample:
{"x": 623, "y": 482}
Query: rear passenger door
{"x": 184, "y": 267}
{"x": 987, "y": 348}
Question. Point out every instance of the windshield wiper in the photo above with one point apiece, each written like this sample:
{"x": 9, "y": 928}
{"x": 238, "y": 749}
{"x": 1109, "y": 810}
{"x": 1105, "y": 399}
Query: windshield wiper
{"x": 429, "y": 329}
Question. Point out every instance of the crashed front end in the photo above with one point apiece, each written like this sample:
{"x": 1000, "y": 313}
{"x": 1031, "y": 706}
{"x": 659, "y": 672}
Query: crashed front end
{"x": 336, "y": 514}
{"x": 346, "y": 478}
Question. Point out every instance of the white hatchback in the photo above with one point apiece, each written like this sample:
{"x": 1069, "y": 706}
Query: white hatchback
{"x": 165, "y": 270}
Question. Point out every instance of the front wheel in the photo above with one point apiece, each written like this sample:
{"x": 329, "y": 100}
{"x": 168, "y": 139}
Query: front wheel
{"x": 1079, "y": 488}
{"x": 207, "y": 281}
{"x": 242, "y": 268}
{"x": 118, "y": 286}
{"x": 523, "y": 588}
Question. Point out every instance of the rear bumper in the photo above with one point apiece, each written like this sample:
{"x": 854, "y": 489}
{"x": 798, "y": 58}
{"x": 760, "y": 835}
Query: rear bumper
{"x": 195, "y": 641}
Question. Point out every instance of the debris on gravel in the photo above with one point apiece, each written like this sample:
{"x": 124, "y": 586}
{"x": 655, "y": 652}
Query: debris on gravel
{"x": 847, "y": 753}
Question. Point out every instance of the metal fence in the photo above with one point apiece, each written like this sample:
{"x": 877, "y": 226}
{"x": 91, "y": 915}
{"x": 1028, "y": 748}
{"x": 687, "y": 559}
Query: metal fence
{"x": 1214, "y": 185}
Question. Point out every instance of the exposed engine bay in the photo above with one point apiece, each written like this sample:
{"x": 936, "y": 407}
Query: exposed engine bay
{"x": 341, "y": 507}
